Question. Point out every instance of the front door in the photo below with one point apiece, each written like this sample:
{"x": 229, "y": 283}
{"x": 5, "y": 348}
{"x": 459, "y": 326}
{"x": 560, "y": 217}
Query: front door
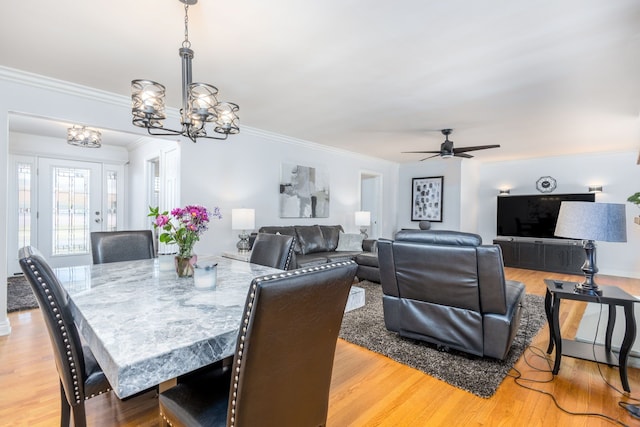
{"x": 69, "y": 209}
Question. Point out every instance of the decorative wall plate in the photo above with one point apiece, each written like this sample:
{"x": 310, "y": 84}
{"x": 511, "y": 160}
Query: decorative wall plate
{"x": 546, "y": 184}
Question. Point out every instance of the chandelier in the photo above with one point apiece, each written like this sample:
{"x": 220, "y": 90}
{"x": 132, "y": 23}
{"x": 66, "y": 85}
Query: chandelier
{"x": 84, "y": 137}
{"x": 199, "y": 103}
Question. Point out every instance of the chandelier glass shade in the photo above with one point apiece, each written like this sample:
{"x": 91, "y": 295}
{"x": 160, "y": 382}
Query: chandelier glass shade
{"x": 82, "y": 136}
{"x": 200, "y": 105}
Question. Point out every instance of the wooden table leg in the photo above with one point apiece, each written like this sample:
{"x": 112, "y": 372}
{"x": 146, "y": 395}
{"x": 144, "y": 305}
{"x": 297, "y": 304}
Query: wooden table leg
{"x": 611, "y": 322}
{"x": 627, "y": 342}
{"x": 547, "y": 309}
{"x": 555, "y": 316}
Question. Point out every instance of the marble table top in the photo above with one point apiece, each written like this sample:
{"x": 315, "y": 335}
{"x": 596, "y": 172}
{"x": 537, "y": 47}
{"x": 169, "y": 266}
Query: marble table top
{"x": 146, "y": 326}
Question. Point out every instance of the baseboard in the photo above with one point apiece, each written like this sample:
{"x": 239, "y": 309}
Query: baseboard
{"x": 5, "y": 327}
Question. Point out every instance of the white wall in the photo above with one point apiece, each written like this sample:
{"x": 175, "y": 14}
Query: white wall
{"x": 451, "y": 171}
{"x": 618, "y": 173}
{"x": 244, "y": 172}
{"x": 471, "y": 189}
{"x": 241, "y": 172}
{"x": 138, "y": 167}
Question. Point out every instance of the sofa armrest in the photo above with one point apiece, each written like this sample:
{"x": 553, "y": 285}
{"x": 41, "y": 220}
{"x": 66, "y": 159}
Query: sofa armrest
{"x": 370, "y": 245}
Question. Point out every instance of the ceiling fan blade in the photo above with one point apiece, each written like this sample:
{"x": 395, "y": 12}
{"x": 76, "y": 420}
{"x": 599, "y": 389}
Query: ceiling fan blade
{"x": 466, "y": 156}
{"x": 430, "y": 157}
{"x": 477, "y": 147}
{"x": 423, "y": 152}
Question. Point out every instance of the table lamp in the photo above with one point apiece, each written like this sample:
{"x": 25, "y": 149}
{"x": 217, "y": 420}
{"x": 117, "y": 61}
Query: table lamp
{"x": 589, "y": 221}
{"x": 243, "y": 219}
{"x": 363, "y": 219}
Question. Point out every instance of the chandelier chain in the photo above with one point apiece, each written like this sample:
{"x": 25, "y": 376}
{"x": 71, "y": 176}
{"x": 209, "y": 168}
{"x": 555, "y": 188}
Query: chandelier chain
{"x": 186, "y": 43}
{"x": 199, "y": 103}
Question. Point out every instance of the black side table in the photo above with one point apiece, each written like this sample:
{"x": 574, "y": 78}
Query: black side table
{"x": 612, "y": 296}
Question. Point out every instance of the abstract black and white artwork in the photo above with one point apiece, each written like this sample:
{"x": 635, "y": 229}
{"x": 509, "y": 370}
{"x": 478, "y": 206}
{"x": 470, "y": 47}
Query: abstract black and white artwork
{"x": 426, "y": 199}
{"x": 304, "y": 192}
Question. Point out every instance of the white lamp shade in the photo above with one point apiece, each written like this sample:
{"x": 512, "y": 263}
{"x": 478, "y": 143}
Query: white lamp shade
{"x": 363, "y": 218}
{"x": 605, "y": 222}
{"x": 243, "y": 219}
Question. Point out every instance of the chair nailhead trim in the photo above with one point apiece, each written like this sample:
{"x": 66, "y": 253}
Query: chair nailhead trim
{"x": 55, "y": 309}
{"x": 252, "y": 296}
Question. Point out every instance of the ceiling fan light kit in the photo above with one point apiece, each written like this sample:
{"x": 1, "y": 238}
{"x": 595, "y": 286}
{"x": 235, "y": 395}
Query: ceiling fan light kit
{"x": 447, "y": 150}
{"x": 199, "y": 102}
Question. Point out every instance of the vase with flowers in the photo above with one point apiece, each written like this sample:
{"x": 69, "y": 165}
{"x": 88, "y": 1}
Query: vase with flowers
{"x": 183, "y": 227}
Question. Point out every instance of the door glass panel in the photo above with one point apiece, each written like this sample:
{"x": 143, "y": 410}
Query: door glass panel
{"x": 24, "y": 204}
{"x": 70, "y": 211}
{"x": 112, "y": 201}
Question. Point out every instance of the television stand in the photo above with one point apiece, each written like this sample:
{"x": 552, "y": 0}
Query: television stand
{"x": 555, "y": 255}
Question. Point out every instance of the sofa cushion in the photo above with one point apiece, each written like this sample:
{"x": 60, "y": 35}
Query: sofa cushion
{"x": 367, "y": 259}
{"x": 342, "y": 256}
{"x": 331, "y": 233}
{"x": 311, "y": 260}
{"x": 289, "y": 231}
{"x": 311, "y": 239}
{"x": 350, "y": 242}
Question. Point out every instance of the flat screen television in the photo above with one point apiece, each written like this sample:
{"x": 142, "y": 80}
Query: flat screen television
{"x": 533, "y": 215}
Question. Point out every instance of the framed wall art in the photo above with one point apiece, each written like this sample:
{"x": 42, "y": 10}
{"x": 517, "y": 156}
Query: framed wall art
{"x": 304, "y": 192}
{"x": 426, "y": 199}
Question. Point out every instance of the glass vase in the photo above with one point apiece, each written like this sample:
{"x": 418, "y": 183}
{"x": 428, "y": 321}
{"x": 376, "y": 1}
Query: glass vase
{"x": 184, "y": 266}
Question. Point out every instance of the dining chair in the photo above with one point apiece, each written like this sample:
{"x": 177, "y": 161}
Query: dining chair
{"x": 129, "y": 245}
{"x": 273, "y": 250}
{"x": 281, "y": 370}
{"x": 81, "y": 377}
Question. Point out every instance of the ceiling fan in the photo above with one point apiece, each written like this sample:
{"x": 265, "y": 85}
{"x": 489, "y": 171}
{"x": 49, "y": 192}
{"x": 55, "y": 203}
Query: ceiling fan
{"x": 447, "y": 150}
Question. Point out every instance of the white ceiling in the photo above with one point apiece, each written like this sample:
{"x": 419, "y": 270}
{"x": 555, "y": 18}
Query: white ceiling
{"x": 539, "y": 78}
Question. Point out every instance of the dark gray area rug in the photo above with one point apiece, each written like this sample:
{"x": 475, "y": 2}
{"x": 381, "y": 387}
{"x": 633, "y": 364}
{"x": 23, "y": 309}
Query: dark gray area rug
{"x": 481, "y": 376}
{"x": 19, "y": 295}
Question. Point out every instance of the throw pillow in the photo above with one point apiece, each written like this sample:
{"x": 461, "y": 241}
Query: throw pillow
{"x": 350, "y": 242}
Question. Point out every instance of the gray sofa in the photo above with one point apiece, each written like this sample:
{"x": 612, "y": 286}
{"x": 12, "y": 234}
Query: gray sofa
{"x": 317, "y": 244}
{"x": 446, "y": 288}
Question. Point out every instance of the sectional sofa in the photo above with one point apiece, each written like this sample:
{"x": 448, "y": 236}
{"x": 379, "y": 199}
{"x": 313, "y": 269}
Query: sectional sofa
{"x": 320, "y": 244}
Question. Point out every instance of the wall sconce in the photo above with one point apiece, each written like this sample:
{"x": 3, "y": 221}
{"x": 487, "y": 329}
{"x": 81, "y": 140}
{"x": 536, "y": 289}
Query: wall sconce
{"x": 243, "y": 219}
{"x": 363, "y": 219}
{"x": 504, "y": 192}
{"x": 595, "y": 189}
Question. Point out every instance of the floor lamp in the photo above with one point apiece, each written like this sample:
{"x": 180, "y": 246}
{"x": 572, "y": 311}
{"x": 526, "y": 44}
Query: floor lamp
{"x": 589, "y": 221}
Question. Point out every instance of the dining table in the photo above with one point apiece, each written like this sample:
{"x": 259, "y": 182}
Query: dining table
{"x": 146, "y": 326}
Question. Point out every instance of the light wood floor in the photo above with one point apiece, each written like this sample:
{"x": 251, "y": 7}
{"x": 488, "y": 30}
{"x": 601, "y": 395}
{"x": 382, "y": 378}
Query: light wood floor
{"x": 367, "y": 389}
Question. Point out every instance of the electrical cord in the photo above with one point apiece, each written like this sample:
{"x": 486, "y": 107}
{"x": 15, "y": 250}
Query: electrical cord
{"x": 633, "y": 410}
{"x": 519, "y": 380}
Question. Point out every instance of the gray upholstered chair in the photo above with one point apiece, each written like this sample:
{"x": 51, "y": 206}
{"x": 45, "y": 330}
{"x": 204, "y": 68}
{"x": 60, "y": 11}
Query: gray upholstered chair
{"x": 80, "y": 376}
{"x": 446, "y": 288}
{"x": 283, "y": 360}
{"x": 113, "y": 246}
{"x": 273, "y": 250}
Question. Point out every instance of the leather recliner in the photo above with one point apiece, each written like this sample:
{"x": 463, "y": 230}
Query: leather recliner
{"x": 446, "y": 288}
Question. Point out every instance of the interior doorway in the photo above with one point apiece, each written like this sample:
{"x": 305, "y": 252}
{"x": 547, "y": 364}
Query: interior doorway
{"x": 371, "y": 198}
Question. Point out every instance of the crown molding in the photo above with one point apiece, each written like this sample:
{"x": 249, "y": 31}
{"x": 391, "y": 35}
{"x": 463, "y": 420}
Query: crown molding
{"x": 61, "y": 86}
{"x": 69, "y": 88}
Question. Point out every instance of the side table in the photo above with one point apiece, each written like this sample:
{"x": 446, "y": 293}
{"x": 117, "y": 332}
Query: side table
{"x": 237, "y": 255}
{"x": 612, "y": 296}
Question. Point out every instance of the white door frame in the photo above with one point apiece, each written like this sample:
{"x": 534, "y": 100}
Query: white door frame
{"x": 371, "y": 199}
